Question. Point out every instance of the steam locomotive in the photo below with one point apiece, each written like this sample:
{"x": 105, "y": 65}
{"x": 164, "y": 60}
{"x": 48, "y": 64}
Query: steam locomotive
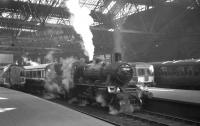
{"x": 12, "y": 76}
{"x": 105, "y": 84}
{"x": 180, "y": 74}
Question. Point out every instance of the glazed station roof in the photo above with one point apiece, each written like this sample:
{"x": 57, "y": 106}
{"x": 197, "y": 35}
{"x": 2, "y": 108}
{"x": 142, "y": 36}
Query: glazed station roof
{"x": 44, "y": 24}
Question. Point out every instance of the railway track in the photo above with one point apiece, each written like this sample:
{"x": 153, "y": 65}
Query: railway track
{"x": 161, "y": 119}
{"x": 175, "y": 118}
{"x": 143, "y": 118}
{"x": 102, "y": 114}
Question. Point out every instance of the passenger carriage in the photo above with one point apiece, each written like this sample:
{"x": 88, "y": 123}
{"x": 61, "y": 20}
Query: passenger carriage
{"x": 12, "y": 76}
{"x": 180, "y": 74}
{"x": 143, "y": 74}
{"x": 37, "y": 76}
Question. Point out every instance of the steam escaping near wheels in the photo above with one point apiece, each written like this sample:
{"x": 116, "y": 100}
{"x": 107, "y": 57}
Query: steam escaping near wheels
{"x": 67, "y": 76}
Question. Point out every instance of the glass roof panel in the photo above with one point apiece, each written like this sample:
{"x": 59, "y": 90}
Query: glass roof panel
{"x": 43, "y": 2}
{"x": 130, "y": 9}
{"x": 91, "y": 4}
{"x": 55, "y": 20}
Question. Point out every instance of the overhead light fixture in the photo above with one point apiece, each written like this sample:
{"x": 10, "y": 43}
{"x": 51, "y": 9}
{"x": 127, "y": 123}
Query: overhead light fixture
{"x": 5, "y": 14}
{"x": 111, "y": 29}
{"x": 169, "y": 1}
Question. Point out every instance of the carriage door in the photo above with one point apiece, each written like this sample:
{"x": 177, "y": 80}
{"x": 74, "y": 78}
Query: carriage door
{"x": 15, "y": 75}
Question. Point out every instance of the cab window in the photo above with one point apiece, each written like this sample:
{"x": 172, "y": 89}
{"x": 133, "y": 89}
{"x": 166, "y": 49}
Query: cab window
{"x": 141, "y": 72}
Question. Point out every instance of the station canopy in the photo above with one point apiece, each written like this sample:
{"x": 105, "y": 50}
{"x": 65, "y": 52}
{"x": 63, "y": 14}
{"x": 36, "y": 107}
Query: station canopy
{"x": 35, "y": 21}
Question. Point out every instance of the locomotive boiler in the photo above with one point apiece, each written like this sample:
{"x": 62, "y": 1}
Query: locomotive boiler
{"x": 117, "y": 74}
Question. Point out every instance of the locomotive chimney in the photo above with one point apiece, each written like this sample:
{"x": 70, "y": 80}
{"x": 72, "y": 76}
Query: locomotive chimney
{"x": 117, "y": 57}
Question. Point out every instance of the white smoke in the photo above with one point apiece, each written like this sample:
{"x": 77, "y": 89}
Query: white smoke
{"x": 119, "y": 103}
{"x": 81, "y": 21}
{"x": 67, "y": 66}
{"x": 32, "y": 63}
{"x": 52, "y": 86}
{"x": 49, "y": 56}
{"x": 113, "y": 110}
{"x": 56, "y": 85}
{"x": 100, "y": 99}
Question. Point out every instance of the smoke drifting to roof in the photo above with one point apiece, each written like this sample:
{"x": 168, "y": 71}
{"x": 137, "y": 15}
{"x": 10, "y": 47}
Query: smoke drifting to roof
{"x": 81, "y": 21}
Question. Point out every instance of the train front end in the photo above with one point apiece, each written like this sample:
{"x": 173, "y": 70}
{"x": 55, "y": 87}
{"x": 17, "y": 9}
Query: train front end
{"x": 106, "y": 84}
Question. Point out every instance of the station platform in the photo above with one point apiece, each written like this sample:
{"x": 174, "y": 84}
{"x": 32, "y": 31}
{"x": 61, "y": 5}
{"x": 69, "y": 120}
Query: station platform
{"x": 20, "y": 109}
{"x": 187, "y": 96}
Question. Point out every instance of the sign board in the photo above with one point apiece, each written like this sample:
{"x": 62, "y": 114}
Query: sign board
{"x": 6, "y": 58}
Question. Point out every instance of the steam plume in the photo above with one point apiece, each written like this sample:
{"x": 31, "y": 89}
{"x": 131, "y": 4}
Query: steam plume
{"x": 81, "y": 21}
{"x": 52, "y": 86}
{"x": 55, "y": 84}
{"x": 67, "y": 73}
{"x": 49, "y": 56}
{"x": 32, "y": 63}
{"x": 100, "y": 99}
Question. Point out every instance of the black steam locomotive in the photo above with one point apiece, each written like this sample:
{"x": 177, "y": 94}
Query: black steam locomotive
{"x": 117, "y": 74}
{"x": 107, "y": 84}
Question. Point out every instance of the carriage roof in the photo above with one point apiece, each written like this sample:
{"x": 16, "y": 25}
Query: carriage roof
{"x": 40, "y": 66}
{"x": 6, "y": 67}
{"x": 140, "y": 64}
{"x": 178, "y": 62}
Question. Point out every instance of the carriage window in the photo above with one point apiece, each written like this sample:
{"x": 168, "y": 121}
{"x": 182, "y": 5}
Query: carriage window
{"x": 141, "y": 72}
{"x": 27, "y": 73}
{"x": 158, "y": 72}
{"x": 164, "y": 71}
{"x": 196, "y": 70}
{"x": 43, "y": 74}
{"x": 171, "y": 71}
{"x": 181, "y": 71}
{"x": 31, "y": 74}
{"x": 39, "y": 74}
{"x": 189, "y": 70}
{"x": 22, "y": 74}
{"x": 34, "y": 74}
